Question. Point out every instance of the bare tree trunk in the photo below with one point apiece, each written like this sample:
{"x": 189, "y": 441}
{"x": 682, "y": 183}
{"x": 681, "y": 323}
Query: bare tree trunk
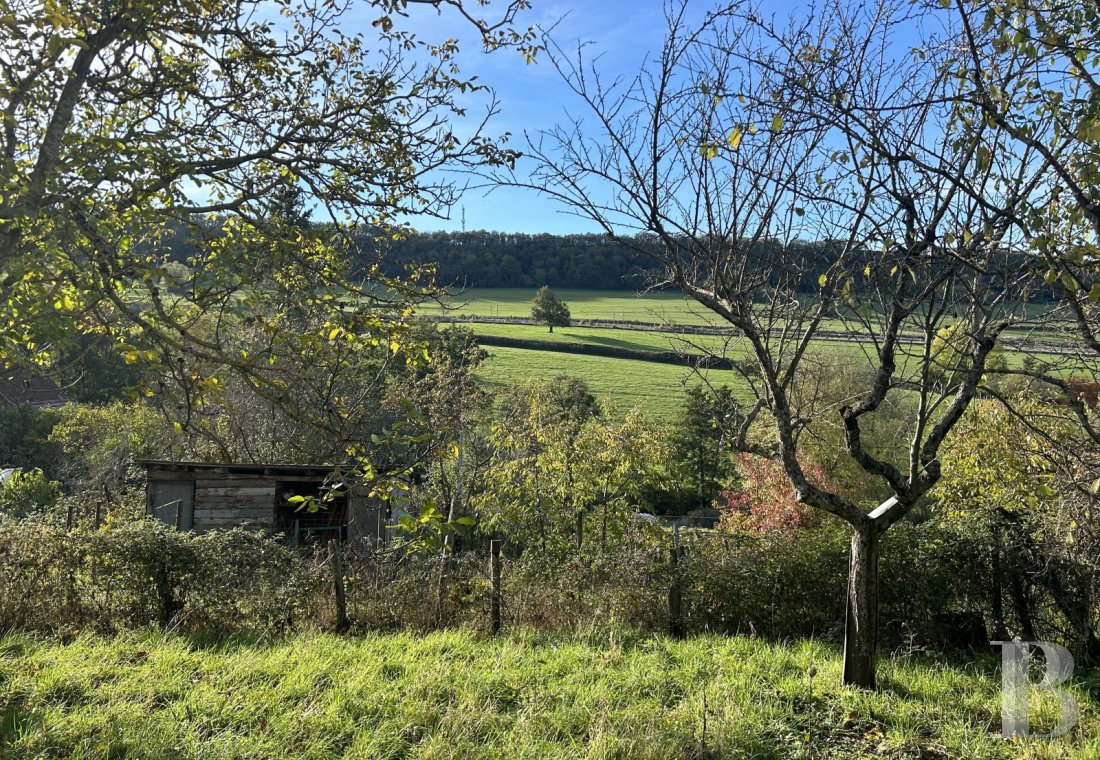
{"x": 861, "y": 624}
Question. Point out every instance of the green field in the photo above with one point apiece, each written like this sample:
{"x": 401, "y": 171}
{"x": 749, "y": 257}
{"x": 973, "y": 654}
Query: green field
{"x": 657, "y": 389}
{"x": 666, "y": 308}
{"x": 583, "y": 304}
{"x": 653, "y": 387}
{"x": 649, "y": 340}
{"x": 455, "y": 694}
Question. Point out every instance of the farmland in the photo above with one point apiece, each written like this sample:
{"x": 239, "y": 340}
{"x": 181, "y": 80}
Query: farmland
{"x": 655, "y": 388}
{"x": 583, "y": 304}
{"x": 455, "y": 694}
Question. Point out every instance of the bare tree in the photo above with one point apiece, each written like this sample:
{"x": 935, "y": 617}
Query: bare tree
{"x": 810, "y": 180}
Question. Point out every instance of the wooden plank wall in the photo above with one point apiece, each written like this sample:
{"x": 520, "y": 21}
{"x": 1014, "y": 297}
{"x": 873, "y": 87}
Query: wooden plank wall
{"x": 235, "y": 501}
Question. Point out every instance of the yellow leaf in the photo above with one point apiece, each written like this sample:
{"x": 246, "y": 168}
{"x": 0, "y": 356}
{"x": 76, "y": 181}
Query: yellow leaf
{"x": 735, "y": 138}
{"x": 777, "y": 123}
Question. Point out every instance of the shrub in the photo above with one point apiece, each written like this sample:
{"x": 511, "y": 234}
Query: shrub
{"x": 28, "y": 491}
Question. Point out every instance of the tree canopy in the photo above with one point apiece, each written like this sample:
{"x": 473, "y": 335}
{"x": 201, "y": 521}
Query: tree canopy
{"x": 131, "y": 127}
{"x": 548, "y": 309}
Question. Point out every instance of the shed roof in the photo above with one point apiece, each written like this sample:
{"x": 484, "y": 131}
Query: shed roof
{"x": 318, "y": 470}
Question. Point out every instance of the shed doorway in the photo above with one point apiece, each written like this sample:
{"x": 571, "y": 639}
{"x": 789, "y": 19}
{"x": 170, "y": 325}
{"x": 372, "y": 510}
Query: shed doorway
{"x": 302, "y": 527}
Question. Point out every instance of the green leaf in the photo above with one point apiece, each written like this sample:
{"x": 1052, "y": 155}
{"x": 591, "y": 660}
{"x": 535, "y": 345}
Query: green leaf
{"x": 1094, "y": 293}
{"x": 822, "y": 280}
{"x": 777, "y": 123}
{"x": 984, "y": 158}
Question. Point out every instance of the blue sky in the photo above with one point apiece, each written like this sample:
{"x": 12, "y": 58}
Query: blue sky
{"x": 622, "y": 32}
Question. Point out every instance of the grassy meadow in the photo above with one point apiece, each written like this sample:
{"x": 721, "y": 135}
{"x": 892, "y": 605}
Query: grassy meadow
{"x": 656, "y": 389}
{"x": 583, "y": 304}
{"x": 653, "y": 387}
{"x": 456, "y": 694}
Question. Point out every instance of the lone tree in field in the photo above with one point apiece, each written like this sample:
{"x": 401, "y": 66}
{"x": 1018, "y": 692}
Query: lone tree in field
{"x": 549, "y": 309}
{"x": 742, "y": 140}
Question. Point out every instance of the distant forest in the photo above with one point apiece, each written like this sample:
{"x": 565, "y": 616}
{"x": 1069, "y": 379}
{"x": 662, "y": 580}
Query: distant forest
{"x": 482, "y": 259}
{"x": 485, "y": 259}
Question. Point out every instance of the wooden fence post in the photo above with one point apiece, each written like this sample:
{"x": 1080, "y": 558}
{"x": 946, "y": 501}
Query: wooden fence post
{"x": 675, "y": 591}
{"x": 494, "y": 573}
{"x": 338, "y": 586}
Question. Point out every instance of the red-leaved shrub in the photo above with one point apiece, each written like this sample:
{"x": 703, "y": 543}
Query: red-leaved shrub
{"x": 766, "y": 503}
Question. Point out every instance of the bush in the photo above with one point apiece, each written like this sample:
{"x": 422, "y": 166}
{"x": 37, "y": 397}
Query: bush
{"x": 145, "y": 573}
{"x": 773, "y": 584}
{"x": 768, "y": 583}
{"x": 27, "y": 492}
{"x": 625, "y": 586}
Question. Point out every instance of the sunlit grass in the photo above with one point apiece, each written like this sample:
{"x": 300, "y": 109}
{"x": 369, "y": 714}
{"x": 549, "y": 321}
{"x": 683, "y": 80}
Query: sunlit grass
{"x": 657, "y": 389}
{"x": 456, "y": 694}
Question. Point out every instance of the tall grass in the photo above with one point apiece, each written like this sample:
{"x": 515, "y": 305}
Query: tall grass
{"x": 456, "y": 694}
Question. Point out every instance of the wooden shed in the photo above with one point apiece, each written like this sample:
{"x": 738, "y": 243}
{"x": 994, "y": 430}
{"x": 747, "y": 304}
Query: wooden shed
{"x": 203, "y": 496}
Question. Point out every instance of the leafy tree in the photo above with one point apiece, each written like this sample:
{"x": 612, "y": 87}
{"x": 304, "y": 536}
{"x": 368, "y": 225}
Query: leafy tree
{"x": 563, "y": 478}
{"x": 445, "y": 448}
{"x": 950, "y": 357}
{"x": 1025, "y": 480}
{"x": 549, "y": 309}
{"x": 93, "y": 370}
{"x": 101, "y": 443}
{"x": 1031, "y": 70}
{"x": 28, "y": 491}
{"x": 24, "y": 438}
{"x": 746, "y": 136}
{"x": 133, "y": 125}
{"x": 700, "y": 443}
{"x": 764, "y": 502}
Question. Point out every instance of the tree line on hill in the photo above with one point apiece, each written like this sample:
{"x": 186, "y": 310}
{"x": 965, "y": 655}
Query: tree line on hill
{"x": 494, "y": 259}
